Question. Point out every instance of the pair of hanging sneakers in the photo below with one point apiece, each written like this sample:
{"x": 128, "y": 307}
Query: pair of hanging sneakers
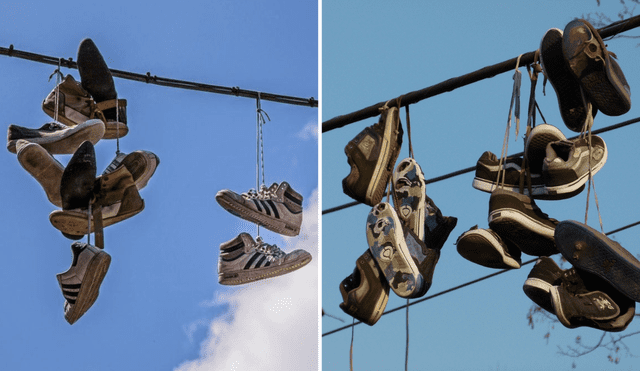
{"x": 243, "y": 259}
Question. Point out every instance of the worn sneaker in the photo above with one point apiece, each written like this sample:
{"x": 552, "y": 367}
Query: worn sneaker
{"x": 517, "y": 218}
{"x": 55, "y": 137}
{"x": 593, "y": 65}
{"x": 544, "y": 275}
{"x": 572, "y": 107}
{"x": 141, "y": 164}
{"x": 97, "y": 80}
{"x": 75, "y": 105}
{"x": 486, "y": 248}
{"x": 424, "y": 257}
{"x": 385, "y": 236}
{"x": 566, "y": 168}
{"x": 437, "y": 228}
{"x": 78, "y": 178}
{"x": 277, "y": 208}
{"x": 535, "y": 146}
{"x": 408, "y": 191}
{"x": 372, "y": 154}
{"x": 365, "y": 292}
{"x": 486, "y": 179}
{"x": 243, "y": 260}
{"x": 593, "y": 252}
{"x": 80, "y": 284}
{"x": 43, "y": 167}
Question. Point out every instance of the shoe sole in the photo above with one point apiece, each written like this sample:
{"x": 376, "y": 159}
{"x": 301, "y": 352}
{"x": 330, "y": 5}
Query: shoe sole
{"x": 278, "y": 226}
{"x": 111, "y": 128}
{"x": 68, "y": 142}
{"x": 538, "y": 290}
{"x": 479, "y": 247}
{"x": 573, "y": 188}
{"x": 556, "y": 303}
{"x": 44, "y": 168}
{"x": 388, "y": 150}
{"x": 75, "y": 223}
{"x": 415, "y": 218}
{"x": 589, "y": 250}
{"x": 88, "y": 294}
{"x": 531, "y": 237}
{"x": 239, "y": 277}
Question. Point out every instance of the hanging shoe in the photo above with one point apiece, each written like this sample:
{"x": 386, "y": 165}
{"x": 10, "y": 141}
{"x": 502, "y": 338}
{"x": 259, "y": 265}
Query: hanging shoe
{"x": 486, "y": 178}
{"x": 141, "y": 164}
{"x": 592, "y": 251}
{"x": 80, "y": 284}
{"x": 544, "y": 275}
{"x": 277, "y": 208}
{"x": 97, "y": 80}
{"x": 516, "y": 218}
{"x": 437, "y": 228}
{"x": 486, "y": 248}
{"x": 55, "y": 137}
{"x": 365, "y": 292}
{"x": 243, "y": 260}
{"x": 594, "y": 67}
{"x": 572, "y": 108}
{"x": 566, "y": 167}
{"x": 78, "y": 178}
{"x": 43, "y": 167}
{"x": 424, "y": 257}
{"x": 75, "y": 105}
{"x": 535, "y": 146}
{"x": 385, "y": 236}
{"x": 408, "y": 194}
{"x": 372, "y": 155}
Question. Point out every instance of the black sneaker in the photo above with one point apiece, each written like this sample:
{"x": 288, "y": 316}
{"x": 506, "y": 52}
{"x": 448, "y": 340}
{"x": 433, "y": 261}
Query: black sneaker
{"x": 517, "y": 218}
{"x": 486, "y": 248}
{"x": 365, "y": 292}
{"x": 535, "y": 146}
{"x": 592, "y": 251}
{"x": 372, "y": 155}
{"x": 425, "y": 259}
{"x": 544, "y": 274}
{"x": 437, "y": 228}
{"x": 486, "y": 179}
{"x": 78, "y": 178}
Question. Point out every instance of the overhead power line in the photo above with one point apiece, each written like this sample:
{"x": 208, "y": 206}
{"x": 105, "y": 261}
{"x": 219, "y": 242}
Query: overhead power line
{"x": 472, "y": 168}
{"x": 163, "y": 81}
{"x": 457, "y": 82}
{"x": 461, "y": 286}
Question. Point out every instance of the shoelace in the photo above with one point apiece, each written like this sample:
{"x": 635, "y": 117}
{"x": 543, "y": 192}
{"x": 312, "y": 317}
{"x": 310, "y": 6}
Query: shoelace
{"x": 272, "y": 252}
{"x": 263, "y": 194}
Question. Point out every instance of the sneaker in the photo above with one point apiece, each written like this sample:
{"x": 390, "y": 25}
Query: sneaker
{"x": 243, "y": 260}
{"x": 75, "y": 105}
{"x": 517, "y": 218}
{"x": 486, "y": 248}
{"x": 437, "y": 228}
{"x": 593, "y": 252}
{"x": 535, "y": 147}
{"x": 141, "y": 164}
{"x": 55, "y": 137}
{"x": 408, "y": 193}
{"x": 425, "y": 259}
{"x": 572, "y": 108}
{"x": 97, "y": 80}
{"x": 80, "y": 284}
{"x": 593, "y": 66}
{"x": 385, "y": 236}
{"x": 277, "y": 208}
{"x": 566, "y": 167}
{"x": 365, "y": 292}
{"x": 544, "y": 275}
{"x": 43, "y": 167}
{"x": 372, "y": 154}
{"x": 78, "y": 178}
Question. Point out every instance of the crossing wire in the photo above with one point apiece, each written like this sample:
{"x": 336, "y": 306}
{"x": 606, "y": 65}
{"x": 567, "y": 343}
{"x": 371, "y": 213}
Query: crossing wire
{"x": 463, "y": 285}
{"x": 163, "y": 81}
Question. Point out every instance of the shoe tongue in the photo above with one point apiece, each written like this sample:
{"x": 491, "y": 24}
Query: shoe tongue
{"x": 562, "y": 148}
{"x": 53, "y": 126}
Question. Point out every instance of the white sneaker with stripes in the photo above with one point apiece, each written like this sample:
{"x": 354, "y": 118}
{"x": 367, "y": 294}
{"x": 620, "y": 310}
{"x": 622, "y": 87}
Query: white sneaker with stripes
{"x": 277, "y": 208}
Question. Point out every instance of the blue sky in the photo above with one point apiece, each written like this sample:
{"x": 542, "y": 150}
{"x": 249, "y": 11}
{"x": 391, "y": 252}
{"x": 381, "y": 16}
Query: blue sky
{"x": 160, "y": 305}
{"x": 374, "y": 51}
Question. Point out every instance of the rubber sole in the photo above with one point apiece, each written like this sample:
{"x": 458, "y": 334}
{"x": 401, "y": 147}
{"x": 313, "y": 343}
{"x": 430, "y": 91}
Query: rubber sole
{"x": 531, "y": 236}
{"x": 75, "y": 223}
{"x": 244, "y": 276}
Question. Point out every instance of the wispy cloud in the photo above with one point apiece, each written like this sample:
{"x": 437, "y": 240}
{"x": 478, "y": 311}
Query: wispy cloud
{"x": 309, "y": 131}
{"x": 271, "y": 324}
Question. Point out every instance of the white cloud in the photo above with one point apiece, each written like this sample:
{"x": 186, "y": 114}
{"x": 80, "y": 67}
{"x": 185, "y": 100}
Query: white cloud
{"x": 272, "y": 324}
{"x": 309, "y": 131}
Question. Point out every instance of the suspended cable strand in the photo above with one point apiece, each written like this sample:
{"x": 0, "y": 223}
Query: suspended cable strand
{"x": 162, "y": 81}
{"x": 457, "y": 82}
{"x": 464, "y": 285}
{"x": 472, "y": 168}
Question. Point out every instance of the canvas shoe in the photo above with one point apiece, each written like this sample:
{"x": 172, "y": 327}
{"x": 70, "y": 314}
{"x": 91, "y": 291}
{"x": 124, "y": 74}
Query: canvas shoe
{"x": 75, "y": 105}
{"x": 243, "y": 260}
{"x": 80, "y": 284}
{"x": 572, "y": 107}
{"x": 593, "y": 252}
{"x": 535, "y": 146}
{"x": 517, "y": 218}
{"x": 78, "y": 178}
{"x": 277, "y": 208}
{"x": 141, "y": 164}
{"x": 97, "y": 80}
{"x": 594, "y": 67}
{"x": 566, "y": 167}
{"x": 372, "y": 155}
{"x": 437, "y": 228}
{"x": 43, "y": 167}
{"x": 543, "y": 276}
{"x": 55, "y": 137}
{"x": 385, "y": 236}
{"x": 486, "y": 178}
{"x": 408, "y": 193}
{"x": 486, "y": 248}
{"x": 365, "y": 292}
